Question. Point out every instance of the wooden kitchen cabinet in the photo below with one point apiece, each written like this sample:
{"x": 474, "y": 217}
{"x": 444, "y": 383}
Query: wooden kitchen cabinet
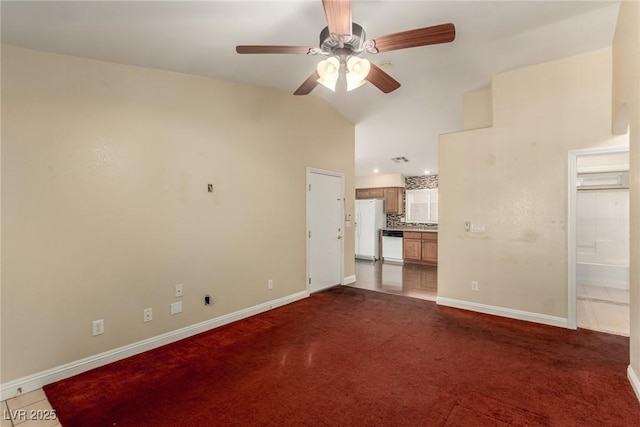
{"x": 362, "y": 193}
{"x": 412, "y": 246}
{"x": 430, "y": 248}
{"x": 393, "y": 200}
{"x": 412, "y": 250}
{"x": 392, "y": 197}
{"x": 420, "y": 247}
{"x": 369, "y": 193}
{"x": 376, "y": 193}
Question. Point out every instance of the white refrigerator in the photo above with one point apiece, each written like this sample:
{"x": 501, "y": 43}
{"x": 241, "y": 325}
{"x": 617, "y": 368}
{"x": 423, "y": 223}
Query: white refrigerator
{"x": 370, "y": 218}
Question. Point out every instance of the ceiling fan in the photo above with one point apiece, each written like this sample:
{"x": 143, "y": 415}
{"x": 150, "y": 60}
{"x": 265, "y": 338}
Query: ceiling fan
{"x": 343, "y": 41}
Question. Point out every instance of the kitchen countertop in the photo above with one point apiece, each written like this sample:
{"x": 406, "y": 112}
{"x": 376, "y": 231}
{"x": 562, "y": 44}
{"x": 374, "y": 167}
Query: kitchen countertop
{"x": 419, "y": 230}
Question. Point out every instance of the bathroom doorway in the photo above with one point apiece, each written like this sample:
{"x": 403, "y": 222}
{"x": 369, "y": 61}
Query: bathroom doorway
{"x": 599, "y": 243}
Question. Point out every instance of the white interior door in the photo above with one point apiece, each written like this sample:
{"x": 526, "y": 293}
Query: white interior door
{"x": 325, "y": 201}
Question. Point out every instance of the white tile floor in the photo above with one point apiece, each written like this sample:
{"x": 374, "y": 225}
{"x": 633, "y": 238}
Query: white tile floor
{"x": 28, "y": 410}
{"x": 603, "y": 309}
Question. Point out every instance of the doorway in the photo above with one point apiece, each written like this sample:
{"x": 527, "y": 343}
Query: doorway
{"x": 599, "y": 240}
{"x": 325, "y": 229}
{"x": 409, "y": 280}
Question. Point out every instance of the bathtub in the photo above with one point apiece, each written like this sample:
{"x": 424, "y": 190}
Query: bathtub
{"x": 598, "y": 274}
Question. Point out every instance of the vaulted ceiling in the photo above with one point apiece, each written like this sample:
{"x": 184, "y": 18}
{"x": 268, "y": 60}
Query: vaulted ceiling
{"x": 200, "y": 37}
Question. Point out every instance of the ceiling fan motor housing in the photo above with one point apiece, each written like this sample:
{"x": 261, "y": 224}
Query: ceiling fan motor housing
{"x": 343, "y": 48}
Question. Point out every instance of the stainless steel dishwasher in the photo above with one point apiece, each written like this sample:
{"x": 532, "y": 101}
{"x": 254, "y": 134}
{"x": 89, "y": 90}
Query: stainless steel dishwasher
{"x": 392, "y": 246}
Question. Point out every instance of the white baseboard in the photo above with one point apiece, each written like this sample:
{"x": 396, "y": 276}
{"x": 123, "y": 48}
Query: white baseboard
{"x": 505, "y": 312}
{"x": 35, "y": 381}
{"x": 349, "y": 280}
{"x": 634, "y": 380}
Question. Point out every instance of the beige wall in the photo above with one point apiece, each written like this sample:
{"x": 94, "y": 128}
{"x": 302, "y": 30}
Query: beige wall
{"x": 379, "y": 181}
{"x": 512, "y": 178}
{"x": 626, "y": 100}
{"x": 477, "y": 110}
{"x": 603, "y": 162}
{"x": 105, "y": 206}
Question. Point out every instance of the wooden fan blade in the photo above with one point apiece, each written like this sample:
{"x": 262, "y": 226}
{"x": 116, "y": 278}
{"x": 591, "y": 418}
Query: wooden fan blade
{"x": 338, "y": 14}
{"x": 382, "y": 80}
{"x": 308, "y": 85}
{"x": 437, "y": 34}
{"x": 273, "y": 49}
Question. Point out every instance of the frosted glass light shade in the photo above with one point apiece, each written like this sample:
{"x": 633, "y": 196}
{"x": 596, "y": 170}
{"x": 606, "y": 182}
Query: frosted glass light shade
{"x": 329, "y": 70}
{"x": 357, "y": 72}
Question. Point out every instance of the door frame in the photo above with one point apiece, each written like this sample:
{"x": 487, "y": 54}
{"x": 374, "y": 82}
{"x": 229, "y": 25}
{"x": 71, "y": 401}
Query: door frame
{"x": 339, "y": 175}
{"x": 572, "y": 315}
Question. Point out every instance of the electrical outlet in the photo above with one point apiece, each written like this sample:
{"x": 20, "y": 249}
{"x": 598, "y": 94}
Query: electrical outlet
{"x": 176, "y": 308}
{"x": 477, "y": 228}
{"x": 270, "y": 284}
{"x": 148, "y": 315}
{"x": 178, "y": 291}
{"x": 98, "y": 327}
{"x": 474, "y": 285}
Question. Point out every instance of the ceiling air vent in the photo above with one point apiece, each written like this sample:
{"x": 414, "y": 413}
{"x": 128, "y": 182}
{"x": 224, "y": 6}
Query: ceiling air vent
{"x": 400, "y": 159}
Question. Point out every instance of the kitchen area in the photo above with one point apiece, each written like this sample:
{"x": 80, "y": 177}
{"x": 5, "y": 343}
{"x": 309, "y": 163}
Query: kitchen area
{"x": 397, "y": 236}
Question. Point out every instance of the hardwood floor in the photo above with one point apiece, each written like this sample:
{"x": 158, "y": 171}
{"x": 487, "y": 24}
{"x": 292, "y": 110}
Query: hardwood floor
{"x": 416, "y": 281}
{"x": 598, "y": 309}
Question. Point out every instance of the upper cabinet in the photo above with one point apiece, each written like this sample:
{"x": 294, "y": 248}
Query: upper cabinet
{"x": 392, "y": 197}
{"x": 393, "y": 200}
{"x": 370, "y": 193}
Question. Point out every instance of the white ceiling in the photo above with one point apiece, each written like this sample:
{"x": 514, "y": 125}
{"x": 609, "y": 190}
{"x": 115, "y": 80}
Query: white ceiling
{"x": 200, "y": 37}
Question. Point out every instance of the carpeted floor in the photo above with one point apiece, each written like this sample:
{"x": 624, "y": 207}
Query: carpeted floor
{"x": 351, "y": 357}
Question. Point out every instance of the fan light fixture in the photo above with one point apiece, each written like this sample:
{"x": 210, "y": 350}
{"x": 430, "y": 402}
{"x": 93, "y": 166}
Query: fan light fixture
{"x": 357, "y": 70}
{"x": 329, "y": 70}
{"x": 342, "y": 40}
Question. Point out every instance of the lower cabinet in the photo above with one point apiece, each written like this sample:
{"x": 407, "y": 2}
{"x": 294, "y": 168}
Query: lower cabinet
{"x": 412, "y": 248}
{"x": 430, "y": 248}
{"x": 420, "y": 247}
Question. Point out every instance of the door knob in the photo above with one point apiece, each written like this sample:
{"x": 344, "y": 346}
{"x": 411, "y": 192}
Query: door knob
{"x": 339, "y": 237}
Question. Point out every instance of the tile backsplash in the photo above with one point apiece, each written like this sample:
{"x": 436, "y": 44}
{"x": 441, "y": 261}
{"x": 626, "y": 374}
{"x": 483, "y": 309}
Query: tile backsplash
{"x": 412, "y": 183}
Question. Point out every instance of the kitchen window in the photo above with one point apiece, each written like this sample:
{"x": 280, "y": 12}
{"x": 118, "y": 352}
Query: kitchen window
{"x": 421, "y": 206}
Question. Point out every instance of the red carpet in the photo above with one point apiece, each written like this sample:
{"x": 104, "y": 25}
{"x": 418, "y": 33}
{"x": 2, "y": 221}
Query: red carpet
{"x": 350, "y": 357}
